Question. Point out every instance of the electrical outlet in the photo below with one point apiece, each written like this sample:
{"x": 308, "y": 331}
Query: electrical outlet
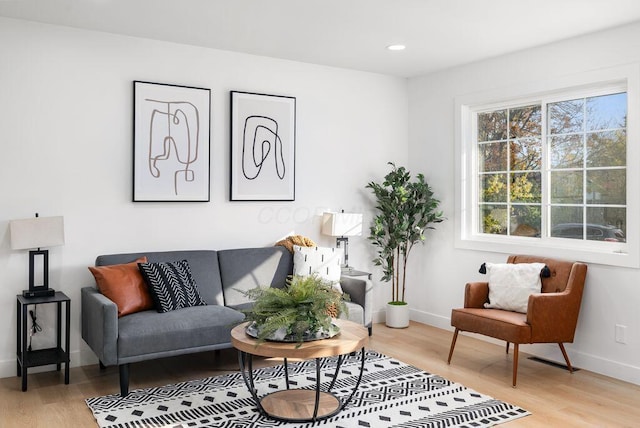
{"x": 621, "y": 331}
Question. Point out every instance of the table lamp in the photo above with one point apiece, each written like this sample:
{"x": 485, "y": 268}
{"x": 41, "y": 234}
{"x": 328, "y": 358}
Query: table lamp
{"x": 342, "y": 225}
{"x": 33, "y": 234}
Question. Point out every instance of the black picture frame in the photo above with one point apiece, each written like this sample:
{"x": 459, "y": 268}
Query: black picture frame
{"x": 171, "y": 143}
{"x": 263, "y": 147}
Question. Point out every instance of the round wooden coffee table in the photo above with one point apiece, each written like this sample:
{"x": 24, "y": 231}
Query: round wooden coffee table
{"x": 301, "y": 405}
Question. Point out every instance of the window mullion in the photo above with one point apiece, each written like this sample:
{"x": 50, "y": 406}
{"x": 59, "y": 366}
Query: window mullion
{"x": 545, "y": 173}
{"x": 584, "y": 169}
{"x": 509, "y": 157}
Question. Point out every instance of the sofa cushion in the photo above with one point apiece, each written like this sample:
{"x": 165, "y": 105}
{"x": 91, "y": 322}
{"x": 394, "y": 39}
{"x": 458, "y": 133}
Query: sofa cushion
{"x": 151, "y": 332}
{"x": 322, "y": 261}
{"x": 246, "y": 268}
{"x": 124, "y": 285}
{"x": 171, "y": 284}
{"x": 510, "y": 285}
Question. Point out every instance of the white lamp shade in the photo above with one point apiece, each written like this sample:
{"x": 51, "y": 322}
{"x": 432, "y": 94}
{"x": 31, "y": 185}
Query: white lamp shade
{"x": 342, "y": 224}
{"x": 36, "y": 232}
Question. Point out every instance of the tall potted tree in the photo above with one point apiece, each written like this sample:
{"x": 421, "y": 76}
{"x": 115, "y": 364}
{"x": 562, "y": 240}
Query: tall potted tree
{"x": 405, "y": 210}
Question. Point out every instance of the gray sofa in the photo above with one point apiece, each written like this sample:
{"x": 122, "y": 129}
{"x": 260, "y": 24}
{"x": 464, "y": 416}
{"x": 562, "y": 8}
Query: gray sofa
{"x": 220, "y": 276}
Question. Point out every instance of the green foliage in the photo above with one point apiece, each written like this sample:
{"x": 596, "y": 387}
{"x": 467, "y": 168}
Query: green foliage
{"x": 406, "y": 209}
{"x": 300, "y": 307}
{"x": 491, "y": 225}
{"x": 495, "y": 189}
{"x": 522, "y": 189}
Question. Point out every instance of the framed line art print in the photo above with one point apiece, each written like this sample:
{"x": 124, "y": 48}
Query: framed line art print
{"x": 263, "y": 147}
{"x": 171, "y": 143}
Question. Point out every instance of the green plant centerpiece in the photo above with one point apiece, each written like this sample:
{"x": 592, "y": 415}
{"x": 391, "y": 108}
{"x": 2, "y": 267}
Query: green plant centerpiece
{"x": 300, "y": 311}
{"x": 405, "y": 209}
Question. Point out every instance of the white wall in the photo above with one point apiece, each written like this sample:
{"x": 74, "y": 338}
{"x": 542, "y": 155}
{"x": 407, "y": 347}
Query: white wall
{"x": 66, "y": 149}
{"x": 439, "y": 271}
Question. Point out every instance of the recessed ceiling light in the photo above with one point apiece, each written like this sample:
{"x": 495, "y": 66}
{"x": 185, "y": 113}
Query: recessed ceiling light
{"x": 396, "y": 47}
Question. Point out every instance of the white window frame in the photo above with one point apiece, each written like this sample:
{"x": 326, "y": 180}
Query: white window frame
{"x": 623, "y": 78}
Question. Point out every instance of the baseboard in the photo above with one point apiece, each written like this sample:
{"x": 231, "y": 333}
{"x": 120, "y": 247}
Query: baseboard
{"x": 593, "y": 363}
{"x": 378, "y": 316}
{"x": 548, "y": 351}
{"x": 431, "y": 319}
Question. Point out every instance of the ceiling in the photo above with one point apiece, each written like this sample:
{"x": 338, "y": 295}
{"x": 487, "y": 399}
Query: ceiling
{"x": 353, "y": 34}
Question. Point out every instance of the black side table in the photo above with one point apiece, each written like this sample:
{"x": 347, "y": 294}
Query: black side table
{"x": 42, "y": 357}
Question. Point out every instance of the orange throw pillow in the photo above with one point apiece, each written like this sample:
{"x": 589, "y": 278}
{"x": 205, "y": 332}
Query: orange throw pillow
{"x": 124, "y": 285}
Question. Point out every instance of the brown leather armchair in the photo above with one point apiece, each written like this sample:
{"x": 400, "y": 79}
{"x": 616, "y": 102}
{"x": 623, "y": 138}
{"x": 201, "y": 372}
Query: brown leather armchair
{"x": 551, "y": 315}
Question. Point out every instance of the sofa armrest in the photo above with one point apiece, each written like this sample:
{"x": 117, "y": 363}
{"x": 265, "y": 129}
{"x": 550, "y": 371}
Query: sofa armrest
{"x": 100, "y": 325}
{"x": 476, "y": 294}
{"x": 360, "y": 291}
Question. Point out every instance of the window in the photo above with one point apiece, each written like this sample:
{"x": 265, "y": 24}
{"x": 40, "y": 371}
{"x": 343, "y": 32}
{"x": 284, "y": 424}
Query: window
{"x": 584, "y": 143}
{"x": 551, "y": 169}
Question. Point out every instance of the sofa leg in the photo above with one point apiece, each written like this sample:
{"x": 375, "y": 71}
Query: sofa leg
{"x": 453, "y": 345}
{"x": 566, "y": 357}
{"x": 515, "y": 363}
{"x": 507, "y": 347}
{"x": 124, "y": 379}
{"x": 370, "y": 328}
{"x": 102, "y": 366}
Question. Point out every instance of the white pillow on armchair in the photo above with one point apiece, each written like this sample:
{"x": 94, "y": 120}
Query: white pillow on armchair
{"x": 511, "y": 284}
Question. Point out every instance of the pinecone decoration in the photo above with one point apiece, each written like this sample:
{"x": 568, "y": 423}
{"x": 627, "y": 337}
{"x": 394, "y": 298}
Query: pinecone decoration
{"x": 332, "y": 311}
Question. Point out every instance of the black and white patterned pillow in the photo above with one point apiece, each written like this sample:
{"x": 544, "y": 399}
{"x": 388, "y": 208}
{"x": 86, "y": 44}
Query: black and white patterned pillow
{"x": 325, "y": 262}
{"x": 171, "y": 285}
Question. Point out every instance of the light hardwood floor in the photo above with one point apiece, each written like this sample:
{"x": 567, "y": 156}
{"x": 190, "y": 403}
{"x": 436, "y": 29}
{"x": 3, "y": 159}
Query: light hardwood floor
{"x": 553, "y": 396}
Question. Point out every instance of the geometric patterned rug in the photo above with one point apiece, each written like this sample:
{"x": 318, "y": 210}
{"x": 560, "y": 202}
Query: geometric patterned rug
{"x": 391, "y": 394}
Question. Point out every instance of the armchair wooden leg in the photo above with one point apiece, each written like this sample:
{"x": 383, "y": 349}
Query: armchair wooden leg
{"x": 566, "y": 357}
{"x": 453, "y": 345}
{"x": 515, "y": 363}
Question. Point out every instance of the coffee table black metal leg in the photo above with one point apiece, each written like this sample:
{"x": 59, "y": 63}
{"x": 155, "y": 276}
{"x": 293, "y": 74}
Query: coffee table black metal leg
{"x": 318, "y": 381}
{"x": 335, "y": 374}
{"x": 248, "y": 380}
{"x": 355, "y": 388}
{"x": 250, "y": 371}
{"x": 286, "y": 372}
{"x": 245, "y": 361}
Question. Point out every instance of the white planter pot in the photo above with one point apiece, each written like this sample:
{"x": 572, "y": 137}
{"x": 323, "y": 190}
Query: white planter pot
{"x": 397, "y": 316}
